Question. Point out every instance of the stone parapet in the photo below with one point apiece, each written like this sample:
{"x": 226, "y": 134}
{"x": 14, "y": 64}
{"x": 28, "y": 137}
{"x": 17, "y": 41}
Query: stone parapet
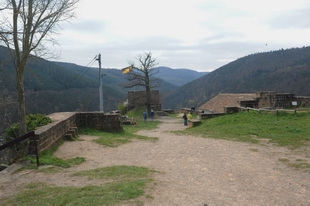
{"x": 66, "y": 123}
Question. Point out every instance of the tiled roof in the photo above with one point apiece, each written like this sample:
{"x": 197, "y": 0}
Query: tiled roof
{"x": 218, "y": 103}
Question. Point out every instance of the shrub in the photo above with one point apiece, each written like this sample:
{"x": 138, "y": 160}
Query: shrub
{"x": 32, "y": 120}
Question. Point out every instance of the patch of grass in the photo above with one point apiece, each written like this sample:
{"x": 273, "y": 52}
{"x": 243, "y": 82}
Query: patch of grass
{"x": 47, "y": 158}
{"x": 298, "y": 164}
{"x": 285, "y": 129}
{"x": 254, "y": 150}
{"x": 302, "y": 165}
{"x": 114, "y": 139}
{"x": 116, "y": 172}
{"x": 36, "y": 185}
{"x": 284, "y": 160}
{"x": 51, "y": 170}
{"x": 127, "y": 185}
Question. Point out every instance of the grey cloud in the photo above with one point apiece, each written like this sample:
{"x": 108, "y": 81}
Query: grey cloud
{"x": 89, "y": 26}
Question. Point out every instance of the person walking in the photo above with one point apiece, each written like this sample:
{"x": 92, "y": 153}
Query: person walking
{"x": 152, "y": 115}
{"x": 189, "y": 116}
{"x": 185, "y": 119}
{"x": 144, "y": 116}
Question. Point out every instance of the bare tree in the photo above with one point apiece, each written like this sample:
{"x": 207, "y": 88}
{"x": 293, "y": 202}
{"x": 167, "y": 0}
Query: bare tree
{"x": 143, "y": 76}
{"x": 26, "y": 26}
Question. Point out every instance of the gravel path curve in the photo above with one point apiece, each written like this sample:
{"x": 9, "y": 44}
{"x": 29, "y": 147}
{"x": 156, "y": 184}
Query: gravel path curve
{"x": 192, "y": 170}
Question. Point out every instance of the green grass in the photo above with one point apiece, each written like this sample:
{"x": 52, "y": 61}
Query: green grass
{"x": 284, "y": 129}
{"x": 47, "y": 158}
{"x": 114, "y": 139}
{"x": 298, "y": 164}
{"x": 128, "y": 184}
{"x": 116, "y": 172}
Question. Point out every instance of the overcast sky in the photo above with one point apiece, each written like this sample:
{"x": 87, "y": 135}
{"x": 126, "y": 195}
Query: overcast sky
{"x": 196, "y": 34}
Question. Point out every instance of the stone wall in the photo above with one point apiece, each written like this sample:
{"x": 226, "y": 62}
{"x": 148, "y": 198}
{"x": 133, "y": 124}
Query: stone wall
{"x": 209, "y": 116}
{"x": 138, "y": 99}
{"x": 67, "y": 123}
{"x": 303, "y": 101}
{"x": 49, "y": 135}
{"x": 274, "y": 99}
{"x": 99, "y": 121}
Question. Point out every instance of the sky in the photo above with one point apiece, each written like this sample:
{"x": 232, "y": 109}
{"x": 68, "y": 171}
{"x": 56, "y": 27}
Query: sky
{"x": 201, "y": 35}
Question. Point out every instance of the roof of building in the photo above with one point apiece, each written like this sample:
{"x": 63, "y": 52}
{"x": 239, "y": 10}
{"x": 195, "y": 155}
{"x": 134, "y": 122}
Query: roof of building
{"x": 218, "y": 103}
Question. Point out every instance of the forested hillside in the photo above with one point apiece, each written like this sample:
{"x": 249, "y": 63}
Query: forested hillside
{"x": 282, "y": 71}
{"x": 178, "y": 77}
{"x": 55, "y": 86}
{"x": 51, "y": 88}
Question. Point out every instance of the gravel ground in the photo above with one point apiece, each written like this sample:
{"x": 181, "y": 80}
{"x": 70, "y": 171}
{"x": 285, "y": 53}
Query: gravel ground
{"x": 191, "y": 170}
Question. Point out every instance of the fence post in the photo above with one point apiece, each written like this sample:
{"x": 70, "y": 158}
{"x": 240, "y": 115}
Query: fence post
{"x": 36, "y": 149}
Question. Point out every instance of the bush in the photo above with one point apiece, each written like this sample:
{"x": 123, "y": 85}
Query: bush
{"x": 122, "y": 107}
{"x": 32, "y": 120}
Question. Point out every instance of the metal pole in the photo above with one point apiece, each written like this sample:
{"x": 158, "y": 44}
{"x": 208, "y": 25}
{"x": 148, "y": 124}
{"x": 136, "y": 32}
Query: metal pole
{"x": 100, "y": 84}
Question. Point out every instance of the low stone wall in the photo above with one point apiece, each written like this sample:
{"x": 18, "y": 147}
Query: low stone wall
{"x": 51, "y": 134}
{"x": 208, "y": 116}
{"x": 193, "y": 122}
{"x": 303, "y": 101}
{"x": 67, "y": 123}
{"x": 96, "y": 120}
{"x": 231, "y": 110}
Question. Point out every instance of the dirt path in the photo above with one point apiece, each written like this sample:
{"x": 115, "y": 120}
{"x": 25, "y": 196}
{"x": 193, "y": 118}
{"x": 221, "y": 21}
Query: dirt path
{"x": 193, "y": 170}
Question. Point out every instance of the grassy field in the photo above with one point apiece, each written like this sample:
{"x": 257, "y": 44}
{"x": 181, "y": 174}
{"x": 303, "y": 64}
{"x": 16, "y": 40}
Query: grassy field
{"x": 125, "y": 185}
{"x": 284, "y": 129}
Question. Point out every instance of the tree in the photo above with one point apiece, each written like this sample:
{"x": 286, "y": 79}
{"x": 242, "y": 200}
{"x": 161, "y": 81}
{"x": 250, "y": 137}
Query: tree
{"x": 143, "y": 76}
{"x": 26, "y": 26}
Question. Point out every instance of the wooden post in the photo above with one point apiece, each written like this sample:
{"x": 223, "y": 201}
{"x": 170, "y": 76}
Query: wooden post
{"x": 36, "y": 149}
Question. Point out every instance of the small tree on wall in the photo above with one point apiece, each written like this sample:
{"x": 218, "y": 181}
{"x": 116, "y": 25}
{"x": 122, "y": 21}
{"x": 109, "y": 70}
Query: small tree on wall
{"x": 143, "y": 76}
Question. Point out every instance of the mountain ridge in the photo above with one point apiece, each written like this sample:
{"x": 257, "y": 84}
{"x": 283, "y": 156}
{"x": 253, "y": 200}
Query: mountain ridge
{"x": 285, "y": 71}
{"x": 58, "y": 86}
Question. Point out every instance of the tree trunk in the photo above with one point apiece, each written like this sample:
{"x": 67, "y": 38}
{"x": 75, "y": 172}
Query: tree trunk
{"x": 21, "y": 101}
{"x": 148, "y": 101}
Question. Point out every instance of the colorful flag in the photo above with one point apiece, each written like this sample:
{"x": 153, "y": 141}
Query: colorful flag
{"x": 127, "y": 69}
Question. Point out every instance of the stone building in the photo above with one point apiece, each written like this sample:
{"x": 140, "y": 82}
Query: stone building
{"x": 257, "y": 100}
{"x": 138, "y": 99}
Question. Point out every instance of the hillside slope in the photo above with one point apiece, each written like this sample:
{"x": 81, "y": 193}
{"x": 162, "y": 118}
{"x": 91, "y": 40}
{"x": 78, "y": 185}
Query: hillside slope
{"x": 178, "y": 77}
{"x": 281, "y": 71}
{"x": 57, "y": 86}
{"x": 51, "y": 88}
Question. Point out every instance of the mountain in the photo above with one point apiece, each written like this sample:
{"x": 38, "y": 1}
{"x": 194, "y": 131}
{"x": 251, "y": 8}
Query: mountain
{"x": 169, "y": 79}
{"x": 51, "y": 88}
{"x": 58, "y": 86}
{"x": 286, "y": 71}
{"x": 178, "y": 77}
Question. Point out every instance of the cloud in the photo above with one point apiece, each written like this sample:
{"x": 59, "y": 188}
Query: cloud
{"x": 86, "y": 26}
{"x": 196, "y": 34}
{"x": 296, "y": 19}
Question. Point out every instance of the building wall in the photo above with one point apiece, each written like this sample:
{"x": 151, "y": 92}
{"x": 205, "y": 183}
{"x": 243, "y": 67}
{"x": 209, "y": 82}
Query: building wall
{"x": 274, "y": 99}
{"x": 138, "y": 99}
{"x": 303, "y": 101}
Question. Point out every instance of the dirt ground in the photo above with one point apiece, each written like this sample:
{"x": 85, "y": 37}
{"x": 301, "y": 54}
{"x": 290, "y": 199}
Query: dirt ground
{"x": 191, "y": 170}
